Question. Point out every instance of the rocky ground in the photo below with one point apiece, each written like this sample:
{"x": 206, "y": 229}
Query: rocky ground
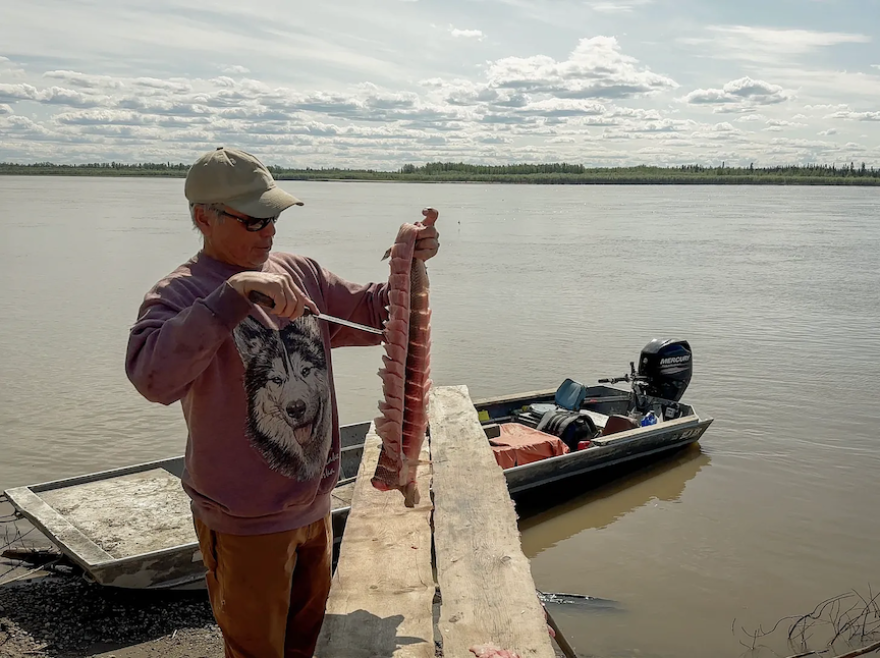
{"x": 66, "y": 617}
{"x": 60, "y": 615}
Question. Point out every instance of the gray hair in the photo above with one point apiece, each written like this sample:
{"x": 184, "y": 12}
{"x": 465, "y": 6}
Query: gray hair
{"x": 212, "y": 207}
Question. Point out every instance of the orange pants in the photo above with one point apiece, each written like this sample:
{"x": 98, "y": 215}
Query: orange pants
{"x": 269, "y": 592}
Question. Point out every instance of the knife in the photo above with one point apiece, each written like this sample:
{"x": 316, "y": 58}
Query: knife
{"x": 264, "y": 300}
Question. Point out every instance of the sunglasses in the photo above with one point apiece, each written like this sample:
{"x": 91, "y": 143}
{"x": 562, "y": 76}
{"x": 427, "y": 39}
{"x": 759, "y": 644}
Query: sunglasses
{"x": 252, "y": 224}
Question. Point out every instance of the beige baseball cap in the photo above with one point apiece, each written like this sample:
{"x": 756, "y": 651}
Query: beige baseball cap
{"x": 238, "y": 180}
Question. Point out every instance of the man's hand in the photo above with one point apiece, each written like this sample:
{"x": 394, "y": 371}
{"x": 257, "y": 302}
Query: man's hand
{"x": 290, "y": 301}
{"x": 428, "y": 243}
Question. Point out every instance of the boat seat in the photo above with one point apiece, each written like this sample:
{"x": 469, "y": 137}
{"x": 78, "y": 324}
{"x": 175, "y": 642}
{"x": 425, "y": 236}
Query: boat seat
{"x": 617, "y": 423}
{"x": 569, "y": 395}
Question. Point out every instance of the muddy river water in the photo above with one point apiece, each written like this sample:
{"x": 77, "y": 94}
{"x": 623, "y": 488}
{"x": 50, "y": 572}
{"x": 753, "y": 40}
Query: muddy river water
{"x": 777, "y": 289}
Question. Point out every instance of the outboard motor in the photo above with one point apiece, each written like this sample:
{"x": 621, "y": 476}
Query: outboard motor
{"x": 665, "y": 368}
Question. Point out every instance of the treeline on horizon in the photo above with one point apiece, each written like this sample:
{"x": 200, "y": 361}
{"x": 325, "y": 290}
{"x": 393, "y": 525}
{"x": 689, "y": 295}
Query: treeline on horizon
{"x": 557, "y": 173}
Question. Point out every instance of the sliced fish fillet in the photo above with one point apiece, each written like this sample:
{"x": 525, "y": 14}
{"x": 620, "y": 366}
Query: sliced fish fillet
{"x": 405, "y": 375}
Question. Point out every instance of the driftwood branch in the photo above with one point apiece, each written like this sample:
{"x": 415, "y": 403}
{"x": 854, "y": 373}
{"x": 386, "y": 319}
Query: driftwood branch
{"x": 816, "y": 614}
{"x": 12, "y": 535}
{"x": 852, "y": 654}
{"x": 862, "y": 651}
{"x": 847, "y": 620}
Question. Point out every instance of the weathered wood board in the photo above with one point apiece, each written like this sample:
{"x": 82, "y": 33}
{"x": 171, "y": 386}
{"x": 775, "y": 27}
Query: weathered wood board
{"x": 383, "y": 587}
{"x": 485, "y": 579}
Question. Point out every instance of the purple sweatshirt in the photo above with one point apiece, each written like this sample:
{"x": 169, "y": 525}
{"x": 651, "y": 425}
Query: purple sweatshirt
{"x": 262, "y": 451}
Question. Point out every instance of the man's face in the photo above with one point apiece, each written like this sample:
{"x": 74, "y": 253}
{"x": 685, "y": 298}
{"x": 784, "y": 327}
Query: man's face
{"x": 229, "y": 240}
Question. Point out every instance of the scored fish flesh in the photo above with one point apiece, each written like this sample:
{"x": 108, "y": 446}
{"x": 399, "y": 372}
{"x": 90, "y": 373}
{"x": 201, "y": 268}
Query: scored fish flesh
{"x": 490, "y": 650}
{"x": 407, "y": 365}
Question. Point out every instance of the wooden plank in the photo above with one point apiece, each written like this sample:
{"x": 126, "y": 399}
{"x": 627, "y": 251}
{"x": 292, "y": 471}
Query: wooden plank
{"x": 382, "y": 591}
{"x": 485, "y": 579}
{"x": 58, "y": 529}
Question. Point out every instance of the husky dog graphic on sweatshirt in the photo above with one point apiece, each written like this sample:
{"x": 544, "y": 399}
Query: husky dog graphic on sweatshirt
{"x": 288, "y": 395}
{"x": 256, "y": 390}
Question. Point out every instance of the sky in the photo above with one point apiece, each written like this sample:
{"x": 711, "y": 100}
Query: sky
{"x": 383, "y": 83}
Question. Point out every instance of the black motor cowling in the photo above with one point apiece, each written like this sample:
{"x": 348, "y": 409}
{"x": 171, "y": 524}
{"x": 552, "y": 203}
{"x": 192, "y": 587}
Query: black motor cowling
{"x": 667, "y": 367}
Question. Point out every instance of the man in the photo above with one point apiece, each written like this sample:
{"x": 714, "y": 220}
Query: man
{"x": 256, "y": 388}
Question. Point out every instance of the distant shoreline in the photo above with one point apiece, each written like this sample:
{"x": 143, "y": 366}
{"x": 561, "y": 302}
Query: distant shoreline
{"x": 509, "y": 175}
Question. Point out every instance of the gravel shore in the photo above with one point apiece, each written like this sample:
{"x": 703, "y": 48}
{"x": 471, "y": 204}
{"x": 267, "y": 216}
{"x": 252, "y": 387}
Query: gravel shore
{"x": 67, "y": 617}
{"x": 59, "y": 615}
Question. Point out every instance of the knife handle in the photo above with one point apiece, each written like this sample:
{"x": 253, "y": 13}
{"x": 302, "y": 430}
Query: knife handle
{"x": 257, "y": 297}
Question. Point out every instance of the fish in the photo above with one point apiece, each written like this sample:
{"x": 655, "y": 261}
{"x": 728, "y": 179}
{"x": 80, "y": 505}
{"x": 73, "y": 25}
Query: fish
{"x": 490, "y": 650}
{"x": 406, "y": 370}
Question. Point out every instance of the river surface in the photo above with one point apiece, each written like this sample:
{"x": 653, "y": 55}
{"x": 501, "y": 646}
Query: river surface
{"x": 777, "y": 289}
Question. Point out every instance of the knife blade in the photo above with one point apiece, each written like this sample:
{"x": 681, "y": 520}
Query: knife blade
{"x": 264, "y": 300}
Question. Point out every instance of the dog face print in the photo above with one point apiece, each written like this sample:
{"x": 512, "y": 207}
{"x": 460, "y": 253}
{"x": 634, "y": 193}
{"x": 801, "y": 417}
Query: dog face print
{"x": 288, "y": 395}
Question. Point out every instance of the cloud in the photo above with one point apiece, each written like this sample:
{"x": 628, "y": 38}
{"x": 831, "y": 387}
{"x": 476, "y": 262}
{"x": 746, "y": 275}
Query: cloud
{"x": 778, "y": 125}
{"x": 616, "y": 6}
{"x": 785, "y": 124}
{"x": 176, "y": 85}
{"x": 83, "y": 80}
{"x": 125, "y": 118}
{"x": 101, "y": 118}
{"x": 50, "y": 96}
{"x": 826, "y": 85}
{"x": 562, "y": 107}
{"x": 525, "y": 89}
{"x": 10, "y": 70}
{"x": 595, "y": 69}
{"x": 723, "y": 127}
{"x": 827, "y": 133}
{"x": 855, "y": 116}
{"x": 743, "y": 93}
{"x": 18, "y": 92}
{"x": 840, "y": 106}
{"x": 732, "y": 109}
{"x": 787, "y": 40}
{"x": 25, "y": 128}
{"x": 467, "y": 34}
{"x": 767, "y": 45}
{"x": 595, "y": 104}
